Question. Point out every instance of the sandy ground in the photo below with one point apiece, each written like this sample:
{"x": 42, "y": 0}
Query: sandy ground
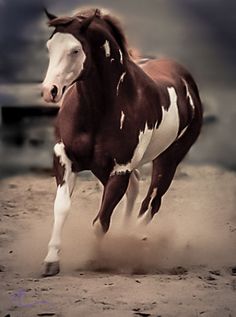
{"x": 183, "y": 268}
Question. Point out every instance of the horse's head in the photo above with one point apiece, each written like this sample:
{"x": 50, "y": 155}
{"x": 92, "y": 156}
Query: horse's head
{"x": 70, "y": 50}
{"x": 66, "y": 55}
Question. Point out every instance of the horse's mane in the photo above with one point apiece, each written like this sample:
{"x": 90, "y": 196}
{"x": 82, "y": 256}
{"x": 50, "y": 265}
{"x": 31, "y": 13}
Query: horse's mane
{"x": 112, "y": 23}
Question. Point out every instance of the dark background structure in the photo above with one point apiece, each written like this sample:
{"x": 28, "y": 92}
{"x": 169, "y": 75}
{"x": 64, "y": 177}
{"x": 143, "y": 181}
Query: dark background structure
{"x": 199, "y": 34}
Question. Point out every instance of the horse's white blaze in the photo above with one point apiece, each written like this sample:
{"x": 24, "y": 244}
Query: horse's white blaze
{"x": 122, "y": 118}
{"x": 66, "y": 62}
{"x": 121, "y": 56}
{"x": 119, "y": 82}
{"x": 107, "y": 49}
{"x": 188, "y": 94}
{"x": 152, "y": 142}
{"x": 62, "y": 203}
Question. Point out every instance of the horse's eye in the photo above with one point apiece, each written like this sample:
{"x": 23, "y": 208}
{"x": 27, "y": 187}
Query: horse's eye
{"x": 74, "y": 52}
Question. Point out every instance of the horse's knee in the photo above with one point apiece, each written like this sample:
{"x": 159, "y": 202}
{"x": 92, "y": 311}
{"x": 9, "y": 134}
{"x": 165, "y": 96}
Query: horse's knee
{"x": 62, "y": 202}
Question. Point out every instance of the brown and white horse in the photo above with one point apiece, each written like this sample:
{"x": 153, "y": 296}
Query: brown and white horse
{"x": 114, "y": 117}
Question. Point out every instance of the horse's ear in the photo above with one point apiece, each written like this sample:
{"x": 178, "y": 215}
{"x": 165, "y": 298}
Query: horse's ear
{"x": 86, "y": 23}
{"x": 49, "y": 15}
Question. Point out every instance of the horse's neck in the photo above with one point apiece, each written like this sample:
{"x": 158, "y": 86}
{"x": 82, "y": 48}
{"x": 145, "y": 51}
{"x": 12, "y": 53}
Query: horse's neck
{"x": 111, "y": 65}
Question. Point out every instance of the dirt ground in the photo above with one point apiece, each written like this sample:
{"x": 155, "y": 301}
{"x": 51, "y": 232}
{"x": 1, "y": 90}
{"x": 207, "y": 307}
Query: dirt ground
{"x": 183, "y": 267}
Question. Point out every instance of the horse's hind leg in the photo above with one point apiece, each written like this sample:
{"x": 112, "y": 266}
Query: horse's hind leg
{"x": 162, "y": 175}
{"x": 131, "y": 194}
{"x": 164, "y": 167}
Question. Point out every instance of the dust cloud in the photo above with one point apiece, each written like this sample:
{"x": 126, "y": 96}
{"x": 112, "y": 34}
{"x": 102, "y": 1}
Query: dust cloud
{"x": 195, "y": 226}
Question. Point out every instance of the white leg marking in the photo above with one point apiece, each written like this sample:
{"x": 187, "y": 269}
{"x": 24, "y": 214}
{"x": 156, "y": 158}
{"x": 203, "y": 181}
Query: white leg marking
{"x": 152, "y": 142}
{"x": 121, "y": 57}
{"x": 188, "y": 94}
{"x": 61, "y": 205}
{"x": 131, "y": 193}
{"x": 119, "y": 82}
{"x": 122, "y": 118}
{"x": 147, "y": 216}
{"x": 107, "y": 49}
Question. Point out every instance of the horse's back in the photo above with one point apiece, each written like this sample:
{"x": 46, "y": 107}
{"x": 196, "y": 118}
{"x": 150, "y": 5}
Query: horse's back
{"x": 159, "y": 69}
{"x": 166, "y": 72}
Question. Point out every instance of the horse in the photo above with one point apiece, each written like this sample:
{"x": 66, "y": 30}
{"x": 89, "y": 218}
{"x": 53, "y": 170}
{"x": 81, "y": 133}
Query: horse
{"x": 114, "y": 117}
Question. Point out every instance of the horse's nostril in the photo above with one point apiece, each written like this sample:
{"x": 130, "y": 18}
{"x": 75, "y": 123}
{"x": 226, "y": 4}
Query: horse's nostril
{"x": 54, "y": 91}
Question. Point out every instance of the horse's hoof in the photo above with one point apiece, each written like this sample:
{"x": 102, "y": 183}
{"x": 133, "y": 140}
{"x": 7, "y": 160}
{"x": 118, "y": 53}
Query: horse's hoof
{"x": 51, "y": 269}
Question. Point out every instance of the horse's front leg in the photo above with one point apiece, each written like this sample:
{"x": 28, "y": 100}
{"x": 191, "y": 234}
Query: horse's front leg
{"x": 114, "y": 190}
{"x": 65, "y": 184}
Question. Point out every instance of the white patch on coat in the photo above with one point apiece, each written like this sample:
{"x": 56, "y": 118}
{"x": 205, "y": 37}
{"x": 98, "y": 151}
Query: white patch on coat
{"x": 120, "y": 169}
{"x": 122, "y": 118}
{"x": 152, "y": 142}
{"x": 188, "y": 94}
{"x": 182, "y": 132}
{"x": 112, "y": 60}
{"x": 107, "y": 49}
{"x": 121, "y": 56}
{"x": 66, "y": 62}
{"x": 119, "y": 82}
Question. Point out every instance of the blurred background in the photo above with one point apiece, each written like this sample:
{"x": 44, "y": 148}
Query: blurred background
{"x": 199, "y": 34}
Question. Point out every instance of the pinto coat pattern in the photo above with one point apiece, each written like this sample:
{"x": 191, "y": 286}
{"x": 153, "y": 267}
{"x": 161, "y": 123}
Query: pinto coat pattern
{"x": 115, "y": 116}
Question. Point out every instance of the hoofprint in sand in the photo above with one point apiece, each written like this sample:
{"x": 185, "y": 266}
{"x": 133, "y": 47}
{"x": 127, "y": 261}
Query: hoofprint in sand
{"x": 180, "y": 265}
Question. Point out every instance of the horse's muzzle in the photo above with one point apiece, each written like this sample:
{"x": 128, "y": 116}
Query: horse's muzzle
{"x": 52, "y": 93}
